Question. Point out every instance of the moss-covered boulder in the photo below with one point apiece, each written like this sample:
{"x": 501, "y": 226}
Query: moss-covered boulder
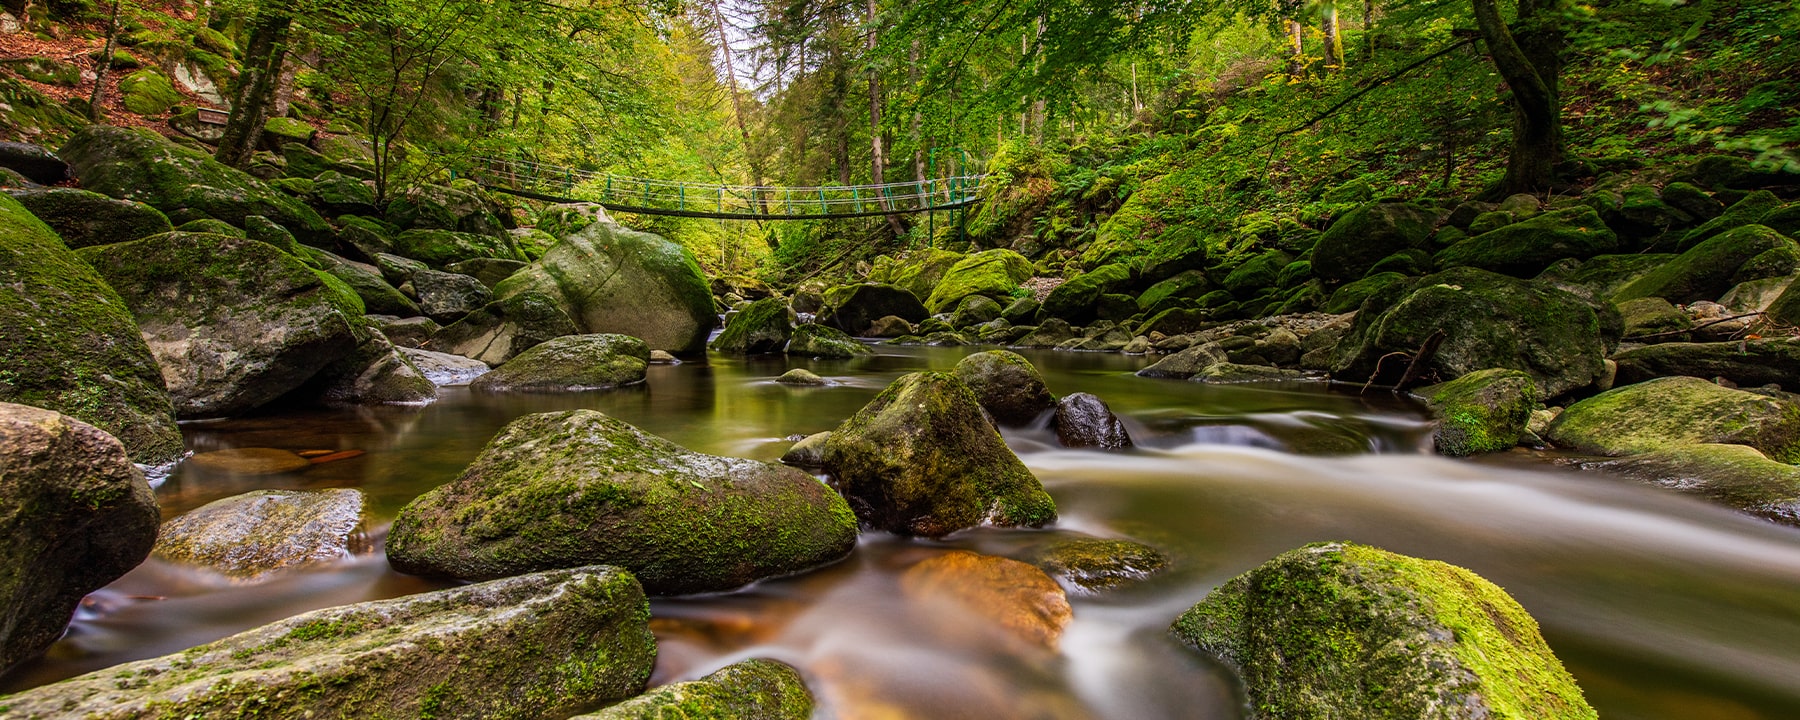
{"x": 148, "y": 92}
{"x": 1350, "y": 296}
{"x": 506, "y": 327}
{"x": 443, "y": 248}
{"x": 1785, "y": 308}
{"x": 1602, "y": 276}
{"x": 975, "y": 310}
{"x": 253, "y": 535}
{"x": 920, "y": 272}
{"x": 1749, "y": 211}
{"x": 461, "y": 206}
{"x": 1488, "y": 321}
{"x": 856, "y": 308}
{"x": 610, "y": 279}
{"x": 83, "y": 218}
{"x": 1260, "y": 272}
{"x": 542, "y": 645}
{"x": 995, "y": 273}
{"x": 1705, "y": 271}
{"x": 1736, "y": 476}
{"x": 1188, "y": 284}
{"x": 1094, "y": 565}
{"x": 34, "y": 163}
{"x": 1748, "y": 363}
{"x": 569, "y": 488}
{"x": 1481, "y": 412}
{"x": 1664, "y": 412}
{"x": 763, "y": 326}
{"x": 490, "y": 271}
{"x": 570, "y": 364}
{"x": 1652, "y": 316}
{"x": 1076, "y": 299}
{"x": 1084, "y": 421}
{"x": 1007, "y": 385}
{"x": 341, "y": 194}
{"x": 366, "y": 281}
{"x": 234, "y": 323}
{"x": 448, "y": 296}
{"x": 754, "y": 689}
{"x": 75, "y": 514}
{"x": 140, "y": 165}
{"x": 69, "y": 343}
{"x": 1362, "y": 237}
{"x": 375, "y": 373}
{"x": 1231, "y": 372}
{"x": 1345, "y": 630}
{"x": 819, "y": 341}
{"x": 1523, "y": 249}
{"x": 921, "y": 459}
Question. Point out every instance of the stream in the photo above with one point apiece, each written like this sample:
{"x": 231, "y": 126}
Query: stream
{"x": 1663, "y": 606}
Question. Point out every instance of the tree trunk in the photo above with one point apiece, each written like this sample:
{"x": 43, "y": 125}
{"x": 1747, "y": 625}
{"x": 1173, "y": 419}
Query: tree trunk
{"x": 1296, "y": 39}
{"x": 254, "y": 92}
{"x": 737, "y": 106}
{"x": 1368, "y": 30}
{"x": 1531, "y": 65}
{"x": 1334, "y": 41}
{"x": 95, "y": 112}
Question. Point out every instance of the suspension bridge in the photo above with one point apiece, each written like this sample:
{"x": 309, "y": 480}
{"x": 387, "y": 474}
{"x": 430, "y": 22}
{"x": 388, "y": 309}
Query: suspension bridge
{"x": 647, "y": 196}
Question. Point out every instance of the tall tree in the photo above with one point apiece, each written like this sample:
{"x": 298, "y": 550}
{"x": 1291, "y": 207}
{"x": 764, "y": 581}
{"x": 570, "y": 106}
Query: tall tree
{"x": 1334, "y": 40}
{"x": 1529, "y": 59}
{"x": 253, "y": 94}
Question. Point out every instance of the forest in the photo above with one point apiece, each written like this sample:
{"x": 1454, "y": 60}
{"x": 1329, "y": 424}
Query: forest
{"x": 868, "y": 359}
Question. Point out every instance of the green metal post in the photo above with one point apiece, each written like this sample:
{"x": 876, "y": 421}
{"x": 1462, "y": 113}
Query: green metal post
{"x": 681, "y": 197}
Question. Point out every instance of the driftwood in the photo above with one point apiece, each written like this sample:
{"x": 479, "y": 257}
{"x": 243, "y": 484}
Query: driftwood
{"x": 1415, "y": 366}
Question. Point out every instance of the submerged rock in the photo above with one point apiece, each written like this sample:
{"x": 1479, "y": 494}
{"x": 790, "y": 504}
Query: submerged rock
{"x": 521, "y": 648}
{"x": 571, "y": 488}
{"x": 610, "y": 279}
{"x": 754, "y": 689}
{"x": 1095, "y": 564}
{"x": 809, "y": 452}
{"x": 1337, "y": 629}
{"x": 1481, "y": 412}
{"x": 1084, "y": 421}
{"x": 249, "y": 461}
{"x": 1007, "y": 385}
{"x": 1665, "y": 412}
{"x": 571, "y": 364}
{"x": 761, "y": 327}
{"x": 921, "y": 459}
{"x": 1018, "y": 599}
{"x": 801, "y": 376}
{"x": 820, "y": 341}
{"x": 250, "y": 536}
{"x": 75, "y": 514}
{"x": 1735, "y": 476}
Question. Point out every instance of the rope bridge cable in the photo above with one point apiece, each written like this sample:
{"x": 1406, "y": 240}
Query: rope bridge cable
{"x": 648, "y": 196}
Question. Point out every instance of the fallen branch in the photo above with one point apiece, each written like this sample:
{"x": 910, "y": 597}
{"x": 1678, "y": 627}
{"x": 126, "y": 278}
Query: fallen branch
{"x": 1427, "y": 350}
{"x": 1379, "y": 362}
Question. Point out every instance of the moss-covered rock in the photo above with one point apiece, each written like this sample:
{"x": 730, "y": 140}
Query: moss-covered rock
{"x": 802, "y": 377}
{"x": 1704, "y": 272}
{"x": 1778, "y": 262}
{"x": 1664, "y": 412}
{"x": 1690, "y": 199}
{"x": 253, "y": 535}
{"x": 490, "y": 271}
{"x": 568, "y": 488}
{"x": 920, "y": 272}
{"x": 33, "y": 163}
{"x": 819, "y": 341}
{"x": 541, "y": 645}
{"x": 1007, "y": 385}
{"x": 754, "y": 689}
{"x": 570, "y": 364}
{"x": 367, "y": 282}
{"x": 856, "y": 308}
{"x": 1191, "y": 284}
{"x": 921, "y": 459}
{"x": 506, "y": 327}
{"x": 1748, "y": 211}
{"x": 1350, "y": 296}
{"x": 443, "y": 248}
{"x": 376, "y": 373}
{"x": 448, "y": 296}
{"x": 1488, "y": 321}
{"x": 212, "y": 227}
{"x": 233, "y": 323}
{"x": 82, "y": 218}
{"x": 1652, "y": 315}
{"x": 1076, "y": 300}
{"x": 70, "y": 343}
{"x": 341, "y": 194}
{"x": 1523, "y": 249}
{"x": 1346, "y": 630}
{"x": 610, "y": 279}
{"x": 994, "y": 273}
{"x": 148, "y": 92}
{"x": 1231, "y": 372}
{"x": 1261, "y": 272}
{"x": 1604, "y": 275}
{"x": 975, "y": 310}
{"x": 1083, "y": 420}
{"x": 278, "y": 131}
{"x": 764, "y": 326}
{"x": 460, "y": 206}
{"x": 75, "y": 514}
{"x": 1093, "y": 565}
{"x": 1362, "y": 237}
{"x": 1735, "y": 476}
{"x": 1051, "y": 333}
{"x": 1481, "y": 412}
{"x": 1185, "y": 364}
{"x": 809, "y": 452}
{"x": 140, "y": 165}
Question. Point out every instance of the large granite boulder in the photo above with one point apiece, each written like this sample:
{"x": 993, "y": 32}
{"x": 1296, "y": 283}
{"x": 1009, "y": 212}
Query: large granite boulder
{"x": 994, "y": 273}
{"x": 754, "y": 689}
{"x": 822, "y": 341}
{"x": 1525, "y": 248}
{"x": 1007, "y": 385}
{"x": 254, "y": 535}
{"x": 83, "y": 218}
{"x": 1344, "y": 630}
{"x": 448, "y": 296}
{"x": 569, "y": 364}
{"x": 1736, "y": 476}
{"x": 68, "y": 342}
{"x": 610, "y": 279}
{"x": 75, "y": 514}
{"x": 234, "y": 323}
{"x": 921, "y": 459}
{"x": 375, "y": 373}
{"x": 856, "y": 308}
{"x": 1366, "y": 235}
{"x": 1705, "y": 271}
{"x": 764, "y": 326}
{"x": 570, "y": 488}
{"x": 1665, "y": 412}
{"x": 443, "y": 248}
{"x": 521, "y": 648}
{"x": 1748, "y": 363}
{"x": 506, "y": 327}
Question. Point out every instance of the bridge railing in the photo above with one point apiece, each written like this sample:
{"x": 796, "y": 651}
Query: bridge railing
{"x": 629, "y": 194}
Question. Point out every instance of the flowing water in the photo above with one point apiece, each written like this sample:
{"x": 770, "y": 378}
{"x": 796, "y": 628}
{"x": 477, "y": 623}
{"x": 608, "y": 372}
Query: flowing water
{"x": 1662, "y": 606}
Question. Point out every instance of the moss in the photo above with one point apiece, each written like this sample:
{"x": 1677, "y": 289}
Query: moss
{"x": 819, "y": 341}
{"x": 1007, "y": 385}
{"x": 1735, "y": 476}
{"x": 1705, "y": 271}
{"x": 83, "y": 218}
{"x": 1096, "y": 564}
{"x": 994, "y": 273}
{"x": 1749, "y": 211}
{"x": 1351, "y": 296}
{"x": 755, "y": 689}
{"x": 1362, "y": 237}
{"x": 1075, "y": 299}
{"x": 441, "y": 248}
{"x": 1666, "y": 412}
{"x": 763, "y": 326}
{"x": 1345, "y": 630}
{"x": 610, "y": 279}
{"x": 1260, "y": 272}
{"x": 918, "y": 272}
{"x": 148, "y": 92}
{"x": 855, "y": 308}
{"x": 1525, "y": 248}
{"x": 571, "y": 363}
{"x": 1481, "y": 412}
{"x": 1187, "y": 284}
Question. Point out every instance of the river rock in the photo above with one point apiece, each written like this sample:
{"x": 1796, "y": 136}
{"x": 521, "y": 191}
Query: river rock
{"x": 251, "y": 536}
{"x": 443, "y": 248}
{"x": 83, "y": 218}
{"x": 610, "y": 279}
{"x": 1652, "y": 316}
{"x": 921, "y": 459}
{"x": 75, "y": 514}
{"x": 1747, "y": 363}
{"x": 920, "y": 272}
{"x": 543, "y": 645}
{"x": 761, "y": 327}
{"x": 754, "y": 689}
{"x": 1488, "y": 321}
{"x": 490, "y": 271}
{"x": 995, "y": 273}
{"x": 461, "y": 206}
{"x": 69, "y": 343}
{"x": 1525, "y": 248}
{"x": 1336, "y": 629}
{"x": 571, "y": 364}
{"x": 367, "y": 282}
{"x": 809, "y": 452}
{"x": 248, "y": 461}
{"x": 1705, "y": 271}
{"x": 446, "y": 297}
{"x": 1185, "y": 364}
{"x": 1366, "y": 235}
{"x": 821, "y": 341}
{"x": 136, "y": 164}
{"x": 567, "y": 488}
{"x": 1230, "y": 372}
{"x": 1007, "y": 385}
{"x": 1017, "y": 598}
{"x": 1603, "y": 276}
{"x": 1084, "y": 421}
{"x": 1093, "y": 565}
{"x": 1051, "y": 333}
{"x": 234, "y": 323}
{"x": 34, "y": 162}
{"x": 506, "y": 327}
{"x": 801, "y": 376}
{"x": 855, "y": 308}
{"x": 1664, "y": 412}
{"x": 889, "y": 326}
{"x": 975, "y": 310}
{"x": 443, "y": 368}
{"x": 1075, "y": 300}
{"x": 375, "y": 373}
{"x": 1481, "y": 412}
{"x": 1735, "y": 476}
